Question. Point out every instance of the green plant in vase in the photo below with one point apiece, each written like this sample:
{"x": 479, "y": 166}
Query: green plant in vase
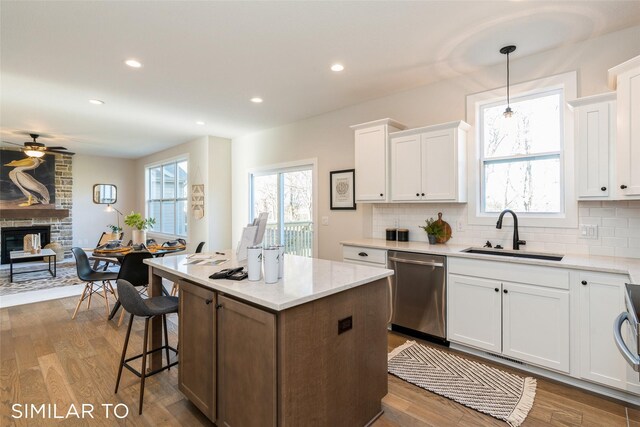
{"x": 140, "y": 225}
{"x": 434, "y": 230}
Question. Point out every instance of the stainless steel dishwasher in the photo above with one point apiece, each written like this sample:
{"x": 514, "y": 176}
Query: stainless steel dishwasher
{"x": 419, "y": 292}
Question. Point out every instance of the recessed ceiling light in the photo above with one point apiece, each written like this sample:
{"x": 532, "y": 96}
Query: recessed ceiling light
{"x": 96, "y": 102}
{"x": 256, "y": 100}
{"x": 133, "y": 63}
{"x": 337, "y": 67}
{"x": 200, "y": 122}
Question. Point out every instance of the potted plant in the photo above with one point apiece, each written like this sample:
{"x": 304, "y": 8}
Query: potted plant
{"x": 140, "y": 226}
{"x": 434, "y": 230}
{"x": 115, "y": 231}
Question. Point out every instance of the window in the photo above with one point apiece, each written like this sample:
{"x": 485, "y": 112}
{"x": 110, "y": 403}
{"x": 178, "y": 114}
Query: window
{"x": 287, "y": 195}
{"x": 526, "y": 162}
{"x": 521, "y": 156}
{"x": 167, "y": 197}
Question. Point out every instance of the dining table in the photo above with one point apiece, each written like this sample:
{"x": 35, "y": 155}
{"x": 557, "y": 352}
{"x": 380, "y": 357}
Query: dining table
{"x": 109, "y": 255}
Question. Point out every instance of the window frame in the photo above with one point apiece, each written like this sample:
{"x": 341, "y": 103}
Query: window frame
{"x": 521, "y": 157}
{"x": 566, "y": 83}
{"x": 175, "y": 199}
{"x": 288, "y": 167}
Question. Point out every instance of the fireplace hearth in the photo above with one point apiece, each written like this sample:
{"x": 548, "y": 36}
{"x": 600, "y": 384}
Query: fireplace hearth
{"x": 12, "y": 239}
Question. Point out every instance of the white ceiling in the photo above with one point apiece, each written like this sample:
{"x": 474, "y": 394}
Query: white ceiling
{"x": 204, "y": 60}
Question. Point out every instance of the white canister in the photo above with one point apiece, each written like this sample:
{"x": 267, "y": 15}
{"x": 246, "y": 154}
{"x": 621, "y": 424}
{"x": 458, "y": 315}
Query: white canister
{"x": 254, "y": 262}
{"x": 270, "y": 256}
{"x": 280, "y": 261}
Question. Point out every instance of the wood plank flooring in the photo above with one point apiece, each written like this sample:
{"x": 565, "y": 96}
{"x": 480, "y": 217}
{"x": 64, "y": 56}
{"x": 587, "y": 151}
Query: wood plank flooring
{"x": 45, "y": 357}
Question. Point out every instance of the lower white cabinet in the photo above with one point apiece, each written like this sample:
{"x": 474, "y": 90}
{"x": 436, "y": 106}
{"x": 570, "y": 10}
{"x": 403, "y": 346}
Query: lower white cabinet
{"x": 601, "y": 300}
{"x": 475, "y": 312}
{"x": 535, "y": 326}
{"x": 525, "y": 322}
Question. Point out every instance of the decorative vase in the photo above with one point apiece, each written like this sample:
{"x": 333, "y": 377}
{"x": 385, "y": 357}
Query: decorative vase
{"x": 139, "y": 237}
{"x": 432, "y": 239}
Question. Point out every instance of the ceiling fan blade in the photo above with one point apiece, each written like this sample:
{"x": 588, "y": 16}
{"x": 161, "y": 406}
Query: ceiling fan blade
{"x": 56, "y": 148}
{"x": 12, "y": 143}
{"x": 60, "y": 152}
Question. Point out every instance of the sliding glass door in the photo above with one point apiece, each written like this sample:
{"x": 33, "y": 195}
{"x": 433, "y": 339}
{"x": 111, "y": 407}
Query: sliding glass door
{"x": 287, "y": 195}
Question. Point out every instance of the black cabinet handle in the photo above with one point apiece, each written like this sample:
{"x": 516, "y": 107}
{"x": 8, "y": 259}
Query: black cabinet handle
{"x": 363, "y": 254}
{"x": 603, "y": 188}
{"x": 209, "y": 301}
{"x": 417, "y": 194}
{"x": 219, "y": 306}
{"x": 381, "y": 194}
{"x": 623, "y": 186}
{"x": 423, "y": 194}
{"x": 584, "y": 282}
{"x": 505, "y": 291}
{"x": 497, "y": 290}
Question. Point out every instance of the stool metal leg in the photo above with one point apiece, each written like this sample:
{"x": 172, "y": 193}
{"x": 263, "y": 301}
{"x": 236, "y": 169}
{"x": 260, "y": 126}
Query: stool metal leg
{"x": 124, "y": 352}
{"x": 166, "y": 340}
{"x": 143, "y": 371}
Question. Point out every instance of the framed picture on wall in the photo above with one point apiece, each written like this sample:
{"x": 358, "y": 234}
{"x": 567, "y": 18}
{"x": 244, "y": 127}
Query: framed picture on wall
{"x": 343, "y": 189}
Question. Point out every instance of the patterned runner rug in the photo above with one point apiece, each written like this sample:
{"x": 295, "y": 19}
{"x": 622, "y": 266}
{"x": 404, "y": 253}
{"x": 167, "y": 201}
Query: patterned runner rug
{"x": 65, "y": 276}
{"x": 502, "y": 395}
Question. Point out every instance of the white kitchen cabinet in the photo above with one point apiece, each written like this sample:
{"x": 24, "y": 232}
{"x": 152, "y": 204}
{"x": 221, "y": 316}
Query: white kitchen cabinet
{"x": 474, "y": 308}
{"x": 601, "y": 301}
{"x": 535, "y": 326}
{"x": 625, "y": 78}
{"x": 595, "y": 128}
{"x": 372, "y": 159}
{"x": 429, "y": 163}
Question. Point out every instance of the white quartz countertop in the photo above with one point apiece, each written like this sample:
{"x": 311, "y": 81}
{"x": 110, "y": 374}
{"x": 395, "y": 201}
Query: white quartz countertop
{"x": 304, "y": 279}
{"x": 629, "y": 266}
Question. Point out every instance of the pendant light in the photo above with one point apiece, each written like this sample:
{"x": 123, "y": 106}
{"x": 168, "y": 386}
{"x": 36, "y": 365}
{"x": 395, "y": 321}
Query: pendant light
{"x": 508, "y": 112}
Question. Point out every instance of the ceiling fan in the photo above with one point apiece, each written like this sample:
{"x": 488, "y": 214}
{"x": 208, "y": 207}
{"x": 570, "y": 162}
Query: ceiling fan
{"x": 38, "y": 149}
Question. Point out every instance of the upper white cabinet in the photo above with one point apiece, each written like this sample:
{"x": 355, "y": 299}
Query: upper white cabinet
{"x": 372, "y": 159}
{"x": 625, "y": 78}
{"x": 429, "y": 163}
{"x": 595, "y": 127}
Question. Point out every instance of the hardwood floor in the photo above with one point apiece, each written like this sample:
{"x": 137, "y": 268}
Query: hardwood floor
{"x": 45, "y": 357}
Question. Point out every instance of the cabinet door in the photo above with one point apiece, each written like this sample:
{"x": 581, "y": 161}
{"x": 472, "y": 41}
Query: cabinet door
{"x": 474, "y": 312}
{"x": 439, "y": 165}
{"x": 536, "y": 325}
{"x": 197, "y": 334}
{"x": 593, "y": 150}
{"x": 628, "y": 138}
{"x": 371, "y": 163}
{"x": 601, "y": 301}
{"x": 405, "y": 168}
{"x": 246, "y": 365}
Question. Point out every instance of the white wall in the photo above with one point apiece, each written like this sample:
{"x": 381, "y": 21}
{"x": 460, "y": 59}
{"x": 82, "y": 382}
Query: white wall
{"x": 89, "y": 219}
{"x": 329, "y": 138}
{"x": 209, "y": 160}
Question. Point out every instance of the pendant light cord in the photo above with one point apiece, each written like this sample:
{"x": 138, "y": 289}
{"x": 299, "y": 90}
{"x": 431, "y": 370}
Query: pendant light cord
{"x": 508, "y": 80}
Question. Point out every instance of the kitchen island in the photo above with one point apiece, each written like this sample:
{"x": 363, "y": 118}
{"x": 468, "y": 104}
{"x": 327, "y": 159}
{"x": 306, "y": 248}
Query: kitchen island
{"x": 308, "y": 350}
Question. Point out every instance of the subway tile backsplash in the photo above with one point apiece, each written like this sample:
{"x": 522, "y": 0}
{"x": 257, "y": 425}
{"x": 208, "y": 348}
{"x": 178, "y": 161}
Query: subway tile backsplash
{"x": 618, "y": 228}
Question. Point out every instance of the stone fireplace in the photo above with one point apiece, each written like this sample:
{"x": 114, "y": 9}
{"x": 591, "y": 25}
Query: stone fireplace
{"x": 60, "y": 229}
{"x": 12, "y": 239}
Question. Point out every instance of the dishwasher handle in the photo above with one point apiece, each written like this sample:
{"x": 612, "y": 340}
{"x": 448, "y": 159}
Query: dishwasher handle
{"x": 631, "y": 358}
{"x": 411, "y": 261}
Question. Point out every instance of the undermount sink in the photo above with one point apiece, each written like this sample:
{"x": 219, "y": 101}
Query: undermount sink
{"x": 514, "y": 254}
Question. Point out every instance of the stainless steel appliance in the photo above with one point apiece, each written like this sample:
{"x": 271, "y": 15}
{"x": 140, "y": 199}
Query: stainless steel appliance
{"x": 419, "y": 294}
{"x": 631, "y": 353}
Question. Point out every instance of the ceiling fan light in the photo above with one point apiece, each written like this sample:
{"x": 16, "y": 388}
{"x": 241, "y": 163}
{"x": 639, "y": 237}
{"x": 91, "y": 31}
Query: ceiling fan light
{"x": 34, "y": 153}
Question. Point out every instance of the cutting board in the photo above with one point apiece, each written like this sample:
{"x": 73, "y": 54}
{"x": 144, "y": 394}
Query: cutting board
{"x": 446, "y": 227}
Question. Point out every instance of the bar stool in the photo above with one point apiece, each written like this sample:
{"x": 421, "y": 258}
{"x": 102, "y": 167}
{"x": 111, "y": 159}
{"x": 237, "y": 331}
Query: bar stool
{"x": 147, "y": 308}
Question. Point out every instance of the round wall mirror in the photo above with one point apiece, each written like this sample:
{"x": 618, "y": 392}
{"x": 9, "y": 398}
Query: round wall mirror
{"x": 105, "y": 194}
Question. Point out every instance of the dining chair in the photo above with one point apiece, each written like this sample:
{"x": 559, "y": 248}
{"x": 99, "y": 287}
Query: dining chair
{"x": 92, "y": 277}
{"x": 174, "y": 288}
{"x": 134, "y": 271}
